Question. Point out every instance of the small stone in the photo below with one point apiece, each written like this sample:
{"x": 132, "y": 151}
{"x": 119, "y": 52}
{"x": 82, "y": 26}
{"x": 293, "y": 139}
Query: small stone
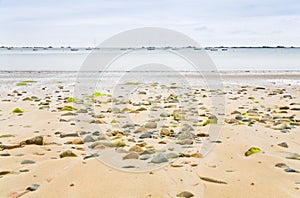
{"x": 185, "y": 194}
{"x": 128, "y": 166}
{"x": 145, "y": 157}
{"x": 176, "y": 165}
{"x": 148, "y": 151}
{"x": 71, "y": 134}
{"x": 4, "y": 154}
{"x": 132, "y": 155}
{"x": 89, "y": 138}
{"x": 294, "y": 156}
{"x": 166, "y": 132}
{"x": 186, "y": 135}
{"x": 4, "y": 172}
{"x": 91, "y": 156}
{"x": 151, "y": 125}
{"x": 33, "y": 187}
{"x": 164, "y": 115}
{"x": 202, "y": 135}
{"x": 283, "y": 144}
{"x": 146, "y": 135}
{"x": 185, "y": 142}
{"x": 67, "y": 153}
{"x": 136, "y": 149}
{"x": 281, "y": 165}
{"x": 140, "y": 130}
{"x": 159, "y": 158}
{"x": 28, "y": 162}
{"x": 172, "y": 155}
{"x": 24, "y": 170}
{"x": 290, "y": 170}
{"x": 38, "y": 140}
{"x": 280, "y": 127}
{"x": 75, "y": 141}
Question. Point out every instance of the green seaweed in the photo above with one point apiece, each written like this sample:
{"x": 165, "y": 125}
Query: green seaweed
{"x": 6, "y": 136}
{"x": 29, "y": 81}
{"x": 21, "y": 84}
{"x": 98, "y": 94}
{"x": 132, "y": 83}
{"x": 17, "y": 110}
{"x": 68, "y": 108}
{"x": 252, "y": 150}
{"x": 70, "y": 99}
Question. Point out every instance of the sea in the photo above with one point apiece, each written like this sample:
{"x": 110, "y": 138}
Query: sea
{"x": 231, "y": 65}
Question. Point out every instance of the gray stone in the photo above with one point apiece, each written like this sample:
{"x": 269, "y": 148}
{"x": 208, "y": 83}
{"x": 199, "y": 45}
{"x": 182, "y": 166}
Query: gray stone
{"x": 28, "y": 162}
{"x": 159, "y": 158}
{"x": 172, "y": 155}
{"x": 294, "y": 156}
{"x": 89, "y": 138}
{"x": 146, "y": 135}
{"x": 145, "y": 157}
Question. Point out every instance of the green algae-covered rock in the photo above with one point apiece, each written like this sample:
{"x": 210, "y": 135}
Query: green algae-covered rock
{"x": 252, "y": 150}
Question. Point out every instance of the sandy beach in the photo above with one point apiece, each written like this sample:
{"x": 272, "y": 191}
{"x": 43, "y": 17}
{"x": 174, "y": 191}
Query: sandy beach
{"x": 150, "y": 144}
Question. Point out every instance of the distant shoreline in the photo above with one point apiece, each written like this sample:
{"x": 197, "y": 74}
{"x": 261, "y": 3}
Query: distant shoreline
{"x": 151, "y": 47}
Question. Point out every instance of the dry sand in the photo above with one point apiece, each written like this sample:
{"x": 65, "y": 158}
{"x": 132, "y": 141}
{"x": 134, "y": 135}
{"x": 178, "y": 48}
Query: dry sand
{"x": 264, "y": 118}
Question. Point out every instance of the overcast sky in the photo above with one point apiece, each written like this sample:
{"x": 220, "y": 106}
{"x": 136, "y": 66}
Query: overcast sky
{"x": 211, "y": 23}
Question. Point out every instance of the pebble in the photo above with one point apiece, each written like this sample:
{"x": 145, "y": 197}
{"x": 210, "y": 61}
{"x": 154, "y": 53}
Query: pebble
{"x": 166, "y": 132}
{"x": 132, "y": 155}
{"x": 4, "y": 154}
{"x": 283, "y": 144}
{"x": 4, "y": 172}
{"x": 128, "y": 166}
{"x": 146, "y": 135}
{"x": 159, "y": 158}
{"x": 185, "y": 142}
{"x": 185, "y": 194}
{"x": 33, "y": 187}
{"x": 28, "y": 162}
{"x": 280, "y": 127}
{"x": 89, "y": 138}
{"x": 291, "y": 170}
{"x": 91, "y": 156}
{"x": 145, "y": 157}
{"x": 281, "y": 165}
{"x": 24, "y": 170}
{"x": 71, "y": 134}
{"x": 67, "y": 153}
{"x": 186, "y": 135}
{"x": 164, "y": 115}
{"x": 151, "y": 125}
{"x": 172, "y": 155}
{"x": 136, "y": 149}
{"x": 294, "y": 156}
{"x": 38, "y": 140}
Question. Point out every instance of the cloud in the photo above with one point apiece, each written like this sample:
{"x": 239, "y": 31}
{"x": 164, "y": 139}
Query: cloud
{"x": 218, "y": 22}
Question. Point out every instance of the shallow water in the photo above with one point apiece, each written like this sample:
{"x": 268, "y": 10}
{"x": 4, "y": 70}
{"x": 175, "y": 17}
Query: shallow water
{"x": 56, "y": 59}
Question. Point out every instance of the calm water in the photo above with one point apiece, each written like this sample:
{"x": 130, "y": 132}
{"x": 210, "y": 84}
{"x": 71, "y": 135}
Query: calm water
{"x": 230, "y": 60}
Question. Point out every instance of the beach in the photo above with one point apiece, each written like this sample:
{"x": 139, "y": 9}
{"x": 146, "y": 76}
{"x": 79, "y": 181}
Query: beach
{"x": 61, "y": 139}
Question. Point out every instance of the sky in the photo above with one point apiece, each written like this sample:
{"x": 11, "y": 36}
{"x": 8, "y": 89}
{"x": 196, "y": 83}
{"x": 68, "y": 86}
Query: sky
{"x": 211, "y": 23}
